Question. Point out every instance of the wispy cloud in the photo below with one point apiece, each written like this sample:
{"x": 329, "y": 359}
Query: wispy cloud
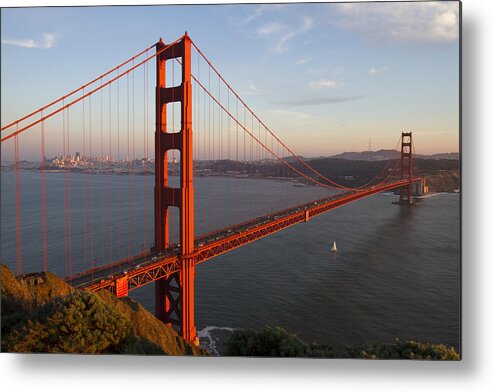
{"x": 269, "y": 28}
{"x": 252, "y": 89}
{"x": 305, "y": 26}
{"x": 379, "y": 70}
{"x": 325, "y": 83}
{"x": 46, "y": 43}
{"x": 318, "y": 101}
{"x": 259, "y": 11}
{"x": 303, "y": 61}
{"x": 412, "y": 22}
{"x": 281, "y": 33}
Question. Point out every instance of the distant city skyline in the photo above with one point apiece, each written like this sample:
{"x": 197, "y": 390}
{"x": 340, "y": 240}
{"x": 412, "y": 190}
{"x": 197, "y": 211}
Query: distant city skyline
{"x": 324, "y": 77}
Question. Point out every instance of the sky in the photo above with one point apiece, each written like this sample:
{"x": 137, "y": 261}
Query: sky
{"x": 326, "y": 78}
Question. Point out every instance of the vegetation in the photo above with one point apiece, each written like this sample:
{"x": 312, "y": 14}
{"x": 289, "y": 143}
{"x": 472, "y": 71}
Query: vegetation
{"x": 77, "y": 323}
{"x": 405, "y": 350}
{"x": 444, "y": 173}
{"x": 444, "y": 181}
{"x": 273, "y": 342}
{"x": 52, "y": 316}
{"x": 276, "y": 342}
{"x": 347, "y": 172}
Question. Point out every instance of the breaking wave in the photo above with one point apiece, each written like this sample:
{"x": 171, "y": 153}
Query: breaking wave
{"x": 209, "y": 339}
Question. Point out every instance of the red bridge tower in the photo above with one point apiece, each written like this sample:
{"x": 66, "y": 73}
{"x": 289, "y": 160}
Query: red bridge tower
{"x": 175, "y": 293}
{"x": 406, "y": 167}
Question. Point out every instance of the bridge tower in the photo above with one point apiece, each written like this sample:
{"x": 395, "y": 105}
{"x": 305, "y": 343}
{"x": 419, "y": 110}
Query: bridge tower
{"x": 406, "y": 192}
{"x": 175, "y": 293}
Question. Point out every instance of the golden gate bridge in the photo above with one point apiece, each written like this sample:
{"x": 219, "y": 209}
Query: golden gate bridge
{"x": 108, "y": 120}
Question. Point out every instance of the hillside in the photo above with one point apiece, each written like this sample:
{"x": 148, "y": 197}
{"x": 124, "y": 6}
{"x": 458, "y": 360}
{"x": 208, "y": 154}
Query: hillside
{"x": 276, "y": 342}
{"x": 444, "y": 181}
{"x": 382, "y": 155}
{"x": 45, "y": 314}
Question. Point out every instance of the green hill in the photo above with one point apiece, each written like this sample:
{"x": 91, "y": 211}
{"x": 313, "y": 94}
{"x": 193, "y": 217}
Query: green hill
{"x": 42, "y": 313}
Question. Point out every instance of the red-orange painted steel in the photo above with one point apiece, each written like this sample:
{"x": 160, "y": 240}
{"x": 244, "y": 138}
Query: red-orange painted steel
{"x": 167, "y": 266}
{"x": 406, "y": 167}
{"x": 121, "y": 287}
{"x": 175, "y": 294}
{"x": 161, "y": 239}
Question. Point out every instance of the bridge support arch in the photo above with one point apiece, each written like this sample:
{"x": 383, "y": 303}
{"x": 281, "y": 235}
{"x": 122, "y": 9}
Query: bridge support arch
{"x": 175, "y": 293}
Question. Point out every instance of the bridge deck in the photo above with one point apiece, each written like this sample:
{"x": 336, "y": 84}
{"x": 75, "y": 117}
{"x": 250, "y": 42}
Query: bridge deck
{"x": 149, "y": 267}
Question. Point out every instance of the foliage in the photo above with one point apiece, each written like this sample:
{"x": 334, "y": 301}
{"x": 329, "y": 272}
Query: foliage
{"x": 276, "y": 342}
{"x": 52, "y": 316}
{"x": 273, "y": 342}
{"x": 405, "y": 350}
{"x": 78, "y": 323}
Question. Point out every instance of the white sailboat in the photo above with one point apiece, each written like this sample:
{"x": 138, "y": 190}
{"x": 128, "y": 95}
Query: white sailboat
{"x": 334, "y": 247}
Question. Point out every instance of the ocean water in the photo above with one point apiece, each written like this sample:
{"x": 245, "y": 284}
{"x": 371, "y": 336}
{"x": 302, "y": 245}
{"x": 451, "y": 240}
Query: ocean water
{"x": 396, "y": 274}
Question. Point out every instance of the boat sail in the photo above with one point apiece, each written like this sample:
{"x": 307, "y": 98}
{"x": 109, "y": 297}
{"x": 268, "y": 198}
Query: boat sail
{"x": 334, "y": 247}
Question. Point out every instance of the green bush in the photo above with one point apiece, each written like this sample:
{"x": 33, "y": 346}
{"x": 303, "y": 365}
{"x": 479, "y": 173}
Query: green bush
{"x": 276, "y": 342}
{"x": 273, "y": 342}
{"x": 405, "y": 350}
{"x": 77, "y": 323}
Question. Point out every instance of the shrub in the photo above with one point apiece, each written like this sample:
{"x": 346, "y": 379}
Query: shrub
{"x": 272, "y": 342}
{"x": 405, "y": 350}
{"x": 276, "y": 342}
{"x": 77, "y": 323}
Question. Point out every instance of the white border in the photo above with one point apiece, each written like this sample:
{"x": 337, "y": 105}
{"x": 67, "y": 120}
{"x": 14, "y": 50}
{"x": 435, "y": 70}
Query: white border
{"x": 473, "y": 373}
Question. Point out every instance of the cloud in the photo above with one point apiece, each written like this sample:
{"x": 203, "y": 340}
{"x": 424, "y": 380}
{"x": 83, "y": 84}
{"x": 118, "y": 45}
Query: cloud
{"x": 270, "y": 28}
{"x": 324, "y": 83}
{"x": 306, "y": 25}
{"x": 303, "y": 61}
{"x": 378, "y": 71}
{"x": 259, "y": 11}
{"x": 318, "y": 101}
{"x": 412, "y": 22}
{"x": 47, "y": 42}
{"x": 281, "y": 33}
{"x": 252, "y": 89}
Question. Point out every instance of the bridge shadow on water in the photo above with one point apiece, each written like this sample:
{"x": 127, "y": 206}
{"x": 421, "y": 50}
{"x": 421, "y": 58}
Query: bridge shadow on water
{"x": 398, "y": 278}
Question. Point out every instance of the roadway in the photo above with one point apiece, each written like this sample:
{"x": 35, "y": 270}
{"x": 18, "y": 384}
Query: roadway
{"x": 148, "y": 267}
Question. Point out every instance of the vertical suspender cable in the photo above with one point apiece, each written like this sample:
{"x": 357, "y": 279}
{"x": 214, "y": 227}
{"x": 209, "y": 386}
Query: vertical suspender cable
{"x": 84, "y": 201}
{"x": 128, "y": 167}
{"x": 236, "y": 168}
{"x": 119, "y": 185}
{"x": 17, "y": 206}
{"x": 145, "y": 158}
{"x": 69, "y": 224}
{"x": 244, "y": 161}
{"x": 43, "y": 196}
{"x": 65, "y": 229}
{"x": 91, "y": 160}
{"x": 229, "y": 159}
{"x": 209, "y": 141}
{"x": 111, "y": 173}
{"x": 132, "y": 178}
{"x": 103, "y": 185}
